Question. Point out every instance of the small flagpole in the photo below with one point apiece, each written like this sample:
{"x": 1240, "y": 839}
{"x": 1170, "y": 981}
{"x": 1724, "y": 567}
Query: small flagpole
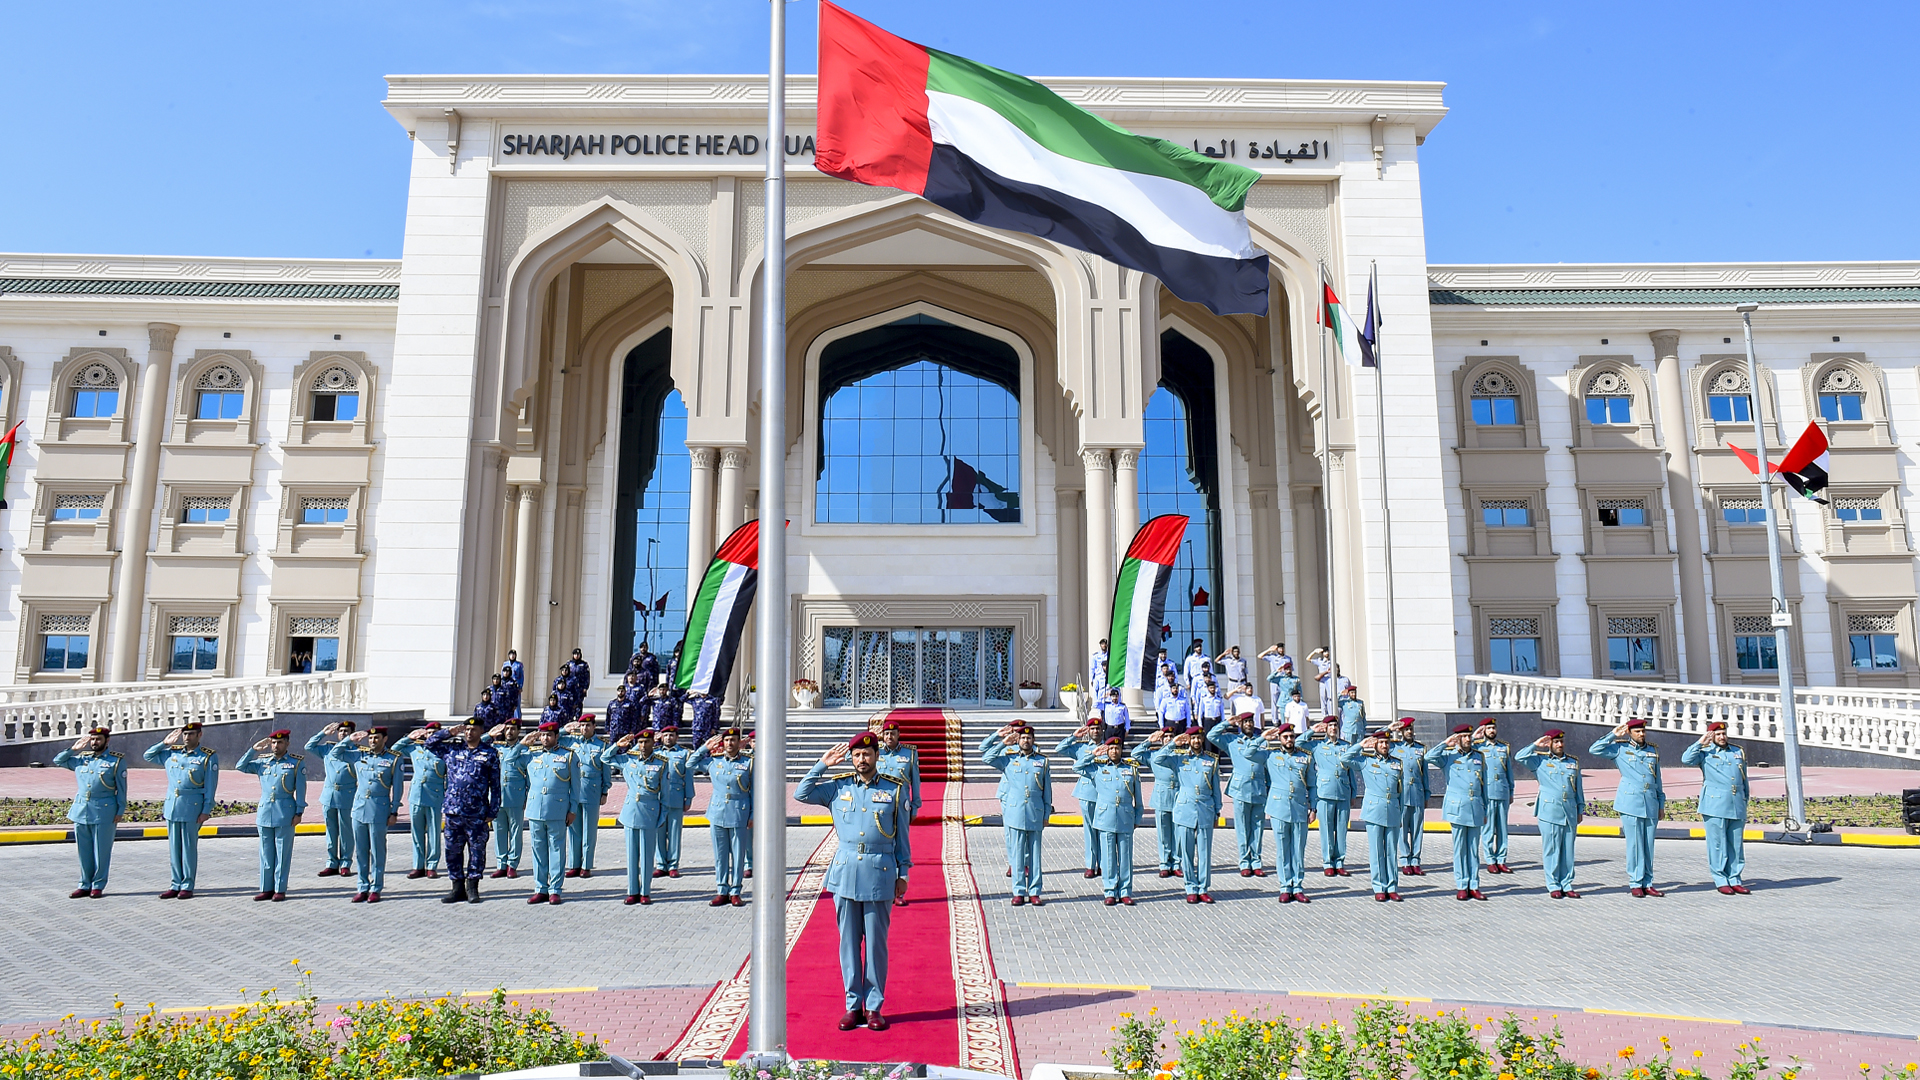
{"x": 1326, "y": 499}
{"x": 1386, "y": 506}
{"x": 767, "y": 1000}
{"x": 1782, "y": 618}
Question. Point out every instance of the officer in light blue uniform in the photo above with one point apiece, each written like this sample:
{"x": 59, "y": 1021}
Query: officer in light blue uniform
{"x": 555, "y": 790}
{"x": 645, "y": 774}
{"x": 872, "y": 821}
{"x": 1145, "y": 754}
{"x": 1640, "y": 800}
{"x": 510, "y": 824}
{"x": 1209, "y": 704}
{"x": 1115, "y": 814}
{"x": 1353, "y": 715}
{"x": 193, "y": 778}
{"x": 1241, "y": 741}
{"x": 1465, "y": 806}
{"x": 1723, "y": 803}
{"x": 1333, "y": 798}
{"x": 1499, "y": 757}
{"x": 376, "y": 790}
{"x": 1115, "y": 713}
{"x": 426, "y": 799}
{"x": 283, "y": 801}
{"x": 1196, "y": 809}
{"x": 99, "y": 800}
{"x": 675, "y": 798}
{"x": 1412, "y": 755}
{"x": 1292, "y": 783}
{"x": 900, "y": 760}
{"x": 1176, "y": 711}
{"x": 729, "y": 809}
{"x": 336, "y": 799}
{"x": 1026, "y": 801}
{"x": 1562, "y": 803}
{"x": 1382, "y": 784}
{"x": 583, "y": 835}
{"x": 1078, "y": 745}
{"x": 1097, "y": 665}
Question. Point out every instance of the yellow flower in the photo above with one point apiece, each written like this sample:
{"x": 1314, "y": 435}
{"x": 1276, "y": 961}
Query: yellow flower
{"x": 1699, "y": 1053}
{"x": 1625, "y": 1052}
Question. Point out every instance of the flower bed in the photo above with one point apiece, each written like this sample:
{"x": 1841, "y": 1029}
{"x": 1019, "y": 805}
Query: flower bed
{"x": 1845, "y": 811}
{"x": 54, "y": 811}
{"x": 1388, "y": 1042}
{"x": 276, "y": 1039}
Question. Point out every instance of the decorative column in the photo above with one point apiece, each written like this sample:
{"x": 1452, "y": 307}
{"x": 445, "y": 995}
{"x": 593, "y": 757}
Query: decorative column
{"x": 699, "y": 517}
{"x": 136, "y": 522}
{"x": 730, "y": 509}
{"x": 525, "y": 541}
{"x": 1126, "y": 496}
{"x": 1069, "y": 609}
{"x": 509, "y": 544}
{"x": 1099, "y": 467}
{"x": 1684, "y": 498}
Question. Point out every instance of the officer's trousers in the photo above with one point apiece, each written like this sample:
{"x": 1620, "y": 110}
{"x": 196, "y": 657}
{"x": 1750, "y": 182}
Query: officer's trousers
{"x": 1196, "y": 856}
{"x": 1247, "y": 831}
{"x": 507, "y": 829}
{"x": 339, "y": 837}
{"x": 1726, "y": 849}
{"x": 583, "y": 836}
{"x": 466, "y": 839}
{"x": 1383, "y": 857}
{"x": 1089, "y": 836}
{"x": 1023, "y": 854}
{"x": 1413, "y": 832}
{"x": 183, "y": 852}
{"x": 370, "y": 851}
{"x": 1333, "y": 831}
{"x": 1556, "y": 855}
{"x": 1163, "y": 833}
{"x": 549, "y": 842}
{"x": 94, "y": 843}
{"x": 1290, "y": 854}
{"x": 1116, "y": 862}
{"x": 730, "y": 848}
{"x": 276, "y": 857}
{"x": 1466, "y": 857}
{"x": 1638, "y": 832}
{"x": 426, "y": 825}
{"x": 640, "y": 858}
{"x": 1494, "y": 838}
{"x": 864, "y": 974}
{"x": 666, "y": 841}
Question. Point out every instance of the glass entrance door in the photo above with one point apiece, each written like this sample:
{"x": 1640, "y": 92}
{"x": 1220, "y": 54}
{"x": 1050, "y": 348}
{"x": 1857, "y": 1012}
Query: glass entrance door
{"x": 965, "y": 667}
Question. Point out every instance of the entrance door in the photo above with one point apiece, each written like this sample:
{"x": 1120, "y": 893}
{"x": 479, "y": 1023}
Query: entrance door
{"x": 965, "y": 667}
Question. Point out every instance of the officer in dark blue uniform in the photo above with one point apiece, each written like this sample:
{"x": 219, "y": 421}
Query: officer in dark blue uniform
{"x": 579, "y": 678}
{"x": 706, "y": 717}
{"x": 471, "y": 802}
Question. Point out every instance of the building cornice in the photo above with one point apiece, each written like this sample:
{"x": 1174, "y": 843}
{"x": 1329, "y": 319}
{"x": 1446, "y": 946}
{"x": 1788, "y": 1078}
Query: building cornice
{"x": 1644, "y": 276}
{"x": 413, "y": 99}
{"x": 201, "y": 269}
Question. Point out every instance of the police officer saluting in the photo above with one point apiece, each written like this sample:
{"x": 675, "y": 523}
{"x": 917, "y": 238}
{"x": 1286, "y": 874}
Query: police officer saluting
{"x": 729, "y": 810}
{"x": 1562, "y": 802}
{"x": 1196, "y": 809}
{"x": 1383, "y": 787}
{"x": 1412, "y": 755}
{"x": 554, "y": 790}
{"x": 1026, "y": 801}
{"x": 1499, "y": 795}
{"x": 1078, "y": 745}
{"x": 336, "y": 799}
{"x": 1115, "y": 813}
{"x": 583, "y": 834}
{"x": 283, "y": 801}
{"x": 471, "y": 802}
{"x": 871, "y": 819}
{"x": 1465, "y": 806}
{"x": 1334, "y": 799}
{"x": 511, "y": 823}
{"x": 1291, "y": 786}
{"x": 425, "y": 798}
{"x": 193, "y": 776}
{"x": 99, "y": 801}
{"x": 376, "y": 787}
{"x": 1639, "y": 800}
{"x": 1240, "y": 740}
{"x": 645, "y": 773}
{"x": 1723, "y": 803}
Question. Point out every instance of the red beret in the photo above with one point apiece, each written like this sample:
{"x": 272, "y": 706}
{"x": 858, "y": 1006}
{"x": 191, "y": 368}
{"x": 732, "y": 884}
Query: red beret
{"x": 1114, "y": 741}
{"x": 550, "y": 726}
{"x": 1487, "y": 720}
{"x": 864, "y": 740}
{"x": 283, "y": 733}
{"x": 1406, "y": 721}
{"x": 431, "y": 725}
{"x": 890, "y": 725}
{"x": 1196, "y": 728}
{"x": 1555, "y": 733}
{"x": 1716, "y": 725}
{"x": 1463, "y": 729}
{"x": 1636, "y": 722}
{"x": 588, "y": 717}
{"x": 192, "y": 725}
{"x": 1284, "y": 728}
{"x": 670, "y": 726}
{"x": 99, "y": 731}
{"x": 346, "y": 725}
{"x": 377, "y": 731}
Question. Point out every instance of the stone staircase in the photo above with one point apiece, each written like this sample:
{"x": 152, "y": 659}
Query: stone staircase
{"x": 811, "y": 731}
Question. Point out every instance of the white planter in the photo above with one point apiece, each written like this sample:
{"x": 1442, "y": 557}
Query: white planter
{"x": 1070, "y": 701}
{"x": 805, "y": 699}
{"x": 1030, "y": 698}
{"x": 753, "y": 701}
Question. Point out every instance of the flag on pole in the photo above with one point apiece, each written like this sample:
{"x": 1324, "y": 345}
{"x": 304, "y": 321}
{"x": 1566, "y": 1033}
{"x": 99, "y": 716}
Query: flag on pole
{"x": 999, "y": 149}
{"x": 1805, "y": 468}
{"x": 660, "y": 605}
{"x": 7, "y": 444}
{"x": 719, "y": 613}
{"x": 1140, "y": 601}
{"x": 1333, "y": 316}
{"x": 1370, "y": 330}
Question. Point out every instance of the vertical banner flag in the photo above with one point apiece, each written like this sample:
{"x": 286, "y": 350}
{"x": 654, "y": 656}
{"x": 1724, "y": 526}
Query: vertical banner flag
{"x": 7, "y": 445}
{"x": 1003, "y": 151}
{"x": 1333, "y": 316}
{"x": 1370, "y": 331}
{"x": 1140, "y": 601}
{"x": 719, "y": 613}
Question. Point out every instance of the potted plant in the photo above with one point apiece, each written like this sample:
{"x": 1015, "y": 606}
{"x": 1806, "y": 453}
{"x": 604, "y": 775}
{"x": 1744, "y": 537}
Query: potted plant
{"x": 806, "y": 693}
{"x": 1070, "y": 698}
{"x": 1029, "y": 694}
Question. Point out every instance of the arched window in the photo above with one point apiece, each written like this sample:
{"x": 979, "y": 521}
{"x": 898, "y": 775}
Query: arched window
{"x": 919, "y": 425}
{"x": 1179, "y": 474}
{"x": 95, "y": 392}
{"x": 1609, "y": 399}
{"x": 1495, "y": 400}
{"x": 651, "y": 507}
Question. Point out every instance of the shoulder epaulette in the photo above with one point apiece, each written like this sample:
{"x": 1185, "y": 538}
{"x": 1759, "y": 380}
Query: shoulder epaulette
{"x": 296, "y": 757}
{"x": 115, "y": 753}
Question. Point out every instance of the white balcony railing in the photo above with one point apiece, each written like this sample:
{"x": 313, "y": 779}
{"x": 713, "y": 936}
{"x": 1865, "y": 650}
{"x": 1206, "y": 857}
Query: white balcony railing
{"x": 1867, "y": 721}
{"x": 30, "y": 713}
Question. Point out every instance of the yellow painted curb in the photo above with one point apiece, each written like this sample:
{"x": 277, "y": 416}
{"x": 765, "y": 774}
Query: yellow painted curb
{"x": 1597, "y": 830}
{"x": 1879, "y": 840}
{"x": 1084, "y": 986}
{"x": 816, "y": 819}
{"x": 1662, "y": 1016}
{"x": 35, "y": 836}
{"x": 1355, "y": 997}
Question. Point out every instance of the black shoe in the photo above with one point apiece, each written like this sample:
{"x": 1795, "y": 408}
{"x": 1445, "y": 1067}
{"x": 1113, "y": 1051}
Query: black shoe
{"x": 456, "y": 894}
{"x": 473, "y": 890}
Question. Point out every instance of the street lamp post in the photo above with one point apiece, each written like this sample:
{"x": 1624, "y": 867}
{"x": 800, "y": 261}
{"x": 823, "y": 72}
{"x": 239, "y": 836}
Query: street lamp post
{"x": 1782, "y": 619}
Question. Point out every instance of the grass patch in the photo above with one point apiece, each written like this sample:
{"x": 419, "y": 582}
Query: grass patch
{"x": 1844, "y": 811}
{"x": 54, "y": 811}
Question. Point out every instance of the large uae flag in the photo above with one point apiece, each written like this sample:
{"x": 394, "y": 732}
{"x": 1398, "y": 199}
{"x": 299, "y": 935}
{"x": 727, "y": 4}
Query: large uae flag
{"x": 1140, "y": 601}
{"x": 718, "y": 613}
{"x": 8, "y": 444}
{"x": 1001, "y": 150}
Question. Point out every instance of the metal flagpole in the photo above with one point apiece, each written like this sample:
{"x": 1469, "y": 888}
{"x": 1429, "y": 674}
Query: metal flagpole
{"x": 1326, "y": 499}
{"x": 767, "y": 1003}
{"x": 1782, "y": 618}
{"x": 1386, "y": 507}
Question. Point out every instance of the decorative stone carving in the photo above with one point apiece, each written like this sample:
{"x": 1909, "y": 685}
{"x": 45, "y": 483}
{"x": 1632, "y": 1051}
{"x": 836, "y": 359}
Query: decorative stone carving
{"x": 96, "y": 376}
{"x": 1728, "y": 380}
{"x": 1495, "y": 384}
{"x": 193, "y": 625}
{"x": 1514, "y": 627}
{"x": 313, "y": 627}
{"x": 1752, "y": 624}
{"x": 1633, "y": 626}
{"x": 66, "y": 624}
{"x": 336, "y": 380}
{"x": 1840, "y": 380}
{"x": 1873, "y": 624}
{"x": 1608, "y": 382}
{"x": 219, "y": 377}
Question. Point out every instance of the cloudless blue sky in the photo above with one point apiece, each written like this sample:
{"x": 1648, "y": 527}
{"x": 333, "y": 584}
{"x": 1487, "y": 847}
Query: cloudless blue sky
{"x": 1579, "y": 131}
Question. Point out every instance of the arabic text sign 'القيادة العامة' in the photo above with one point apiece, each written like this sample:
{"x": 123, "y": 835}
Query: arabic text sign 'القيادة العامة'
{"x": 664, "y": 147}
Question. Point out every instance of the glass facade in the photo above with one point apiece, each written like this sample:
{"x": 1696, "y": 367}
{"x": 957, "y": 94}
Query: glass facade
{"x": 651, "y": 505}
{"x": 968, "y": 666}
{"x": 1179, "y": 474}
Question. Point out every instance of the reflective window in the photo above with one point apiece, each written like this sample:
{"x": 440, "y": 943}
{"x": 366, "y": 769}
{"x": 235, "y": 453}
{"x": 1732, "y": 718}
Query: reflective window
{"x": 652, "y": 505}
{"x": 76, "y": 513}
{"x": 192, "y": 653}
{"x": 1609, "y": 409}
{"x": 336, "y": 406}
{"x": 1514, "y": 656}
{"x": 919, "y": 425}
{"x": 1496, "y": 410}
{"x": 1179, "y": 473}
{"x": 1743, "y": 512}
{"x": 1506, "y": 513}
{"x": 63, "y": 652}
{"x": 1729, "y": 408}
{"x": 201, "y": 515}
{"x": 1841, "y": 407}
{"x": 95, "y": 403}
{"x": 220, "y": 404}
{"x": 1633, "y": 654}
{"x": 1875, "y": 652}
{"x": 1857, "y": 513}
{"x": 1622, "y": 512}
{"x": 1756, "y": 652}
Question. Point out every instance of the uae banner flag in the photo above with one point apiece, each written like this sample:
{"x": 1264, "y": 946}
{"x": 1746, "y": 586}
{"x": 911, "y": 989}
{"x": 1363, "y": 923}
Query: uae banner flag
{"x": 1001, "y": 150}
{"x": 1140, "y": 601}
{"x": 1805, "y": 468}
{"x": 7, "y": 445}
{"x": 719, "y": 613}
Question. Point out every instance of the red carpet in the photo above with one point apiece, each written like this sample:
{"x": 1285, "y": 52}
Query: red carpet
{"x": 925, "y": 729}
